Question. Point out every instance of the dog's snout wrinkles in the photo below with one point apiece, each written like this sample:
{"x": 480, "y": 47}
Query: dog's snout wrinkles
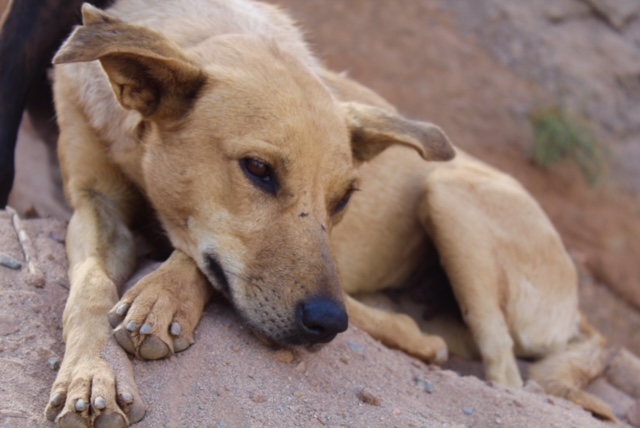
{"x": 321, "y": 319}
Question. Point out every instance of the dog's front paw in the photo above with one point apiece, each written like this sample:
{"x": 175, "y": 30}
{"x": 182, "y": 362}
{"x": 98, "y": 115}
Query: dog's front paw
{"x": 158, "y": 316}
{"x": 95, "y": 392}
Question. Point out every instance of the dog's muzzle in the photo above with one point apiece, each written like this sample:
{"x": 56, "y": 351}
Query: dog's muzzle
{"x": 320, "y": 319}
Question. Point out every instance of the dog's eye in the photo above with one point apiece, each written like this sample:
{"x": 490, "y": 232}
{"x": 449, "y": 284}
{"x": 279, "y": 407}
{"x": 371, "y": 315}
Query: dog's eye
{"x": 342, "y": 204}
{"x": 261, "y": 174}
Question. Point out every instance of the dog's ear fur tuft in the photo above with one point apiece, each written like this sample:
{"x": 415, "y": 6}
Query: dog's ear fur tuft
{"x": 93, "y": 15}
{"x": 147, "y": 71}
{"x": 374, "y": 129}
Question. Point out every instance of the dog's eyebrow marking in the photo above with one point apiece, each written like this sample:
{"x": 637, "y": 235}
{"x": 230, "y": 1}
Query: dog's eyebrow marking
{"x": 303, "y": 214}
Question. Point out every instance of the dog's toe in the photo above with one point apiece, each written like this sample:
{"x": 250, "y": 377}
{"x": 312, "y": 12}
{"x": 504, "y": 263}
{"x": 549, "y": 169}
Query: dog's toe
{"x": 153, "y": 348}
{"x": 55, "y": 405}
{"x": 442, "y": 356}
{"x": 118, "y": 313}
{"x": 110, "y": 420}
{"x": 123, "y": 337}
{"x": 72, "y": 420}
{"x": 132, "y": 405}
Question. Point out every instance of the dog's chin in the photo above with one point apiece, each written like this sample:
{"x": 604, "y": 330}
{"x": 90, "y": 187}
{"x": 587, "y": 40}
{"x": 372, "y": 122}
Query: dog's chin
{"x": 291, "y": 342}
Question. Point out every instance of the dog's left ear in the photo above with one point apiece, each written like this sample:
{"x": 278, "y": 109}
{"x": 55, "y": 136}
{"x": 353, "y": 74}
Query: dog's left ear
{"x": 147, "y": 71}
{"x": 374, "y": 129}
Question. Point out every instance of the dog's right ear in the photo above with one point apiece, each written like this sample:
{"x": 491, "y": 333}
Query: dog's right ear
{"x": 147, "y": 71}
{"x": 373, "y": 129}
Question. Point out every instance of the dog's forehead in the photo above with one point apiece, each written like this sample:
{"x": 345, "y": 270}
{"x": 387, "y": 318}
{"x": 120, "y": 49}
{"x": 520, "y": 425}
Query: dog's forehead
{"x": 292, "y": 110}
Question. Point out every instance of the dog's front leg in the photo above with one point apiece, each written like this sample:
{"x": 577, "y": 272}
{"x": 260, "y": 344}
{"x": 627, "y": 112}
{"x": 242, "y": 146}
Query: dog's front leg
{"x": 158, "y": 316}
{"x": 398, "y": 331}
{"x": 87, "y": 390}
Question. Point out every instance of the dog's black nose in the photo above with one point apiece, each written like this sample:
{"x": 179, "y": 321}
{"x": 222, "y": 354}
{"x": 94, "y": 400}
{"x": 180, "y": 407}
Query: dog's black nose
{"x": 321, "y": 319}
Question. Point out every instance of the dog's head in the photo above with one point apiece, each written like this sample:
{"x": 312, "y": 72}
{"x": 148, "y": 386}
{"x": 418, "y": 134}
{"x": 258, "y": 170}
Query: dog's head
{"x": 249, "y": 162}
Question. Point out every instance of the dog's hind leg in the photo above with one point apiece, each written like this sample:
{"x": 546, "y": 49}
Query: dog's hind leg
{"x": 490, "y": 332}
{"x": 101, "y": 254}
{"x": 464, "y": 230}
{"x": 397, "y": 331}
{"x": 158, "y": 316}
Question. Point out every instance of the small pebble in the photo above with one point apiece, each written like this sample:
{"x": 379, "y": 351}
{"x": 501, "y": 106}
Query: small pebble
{"x": 285, "y": 356}
{"x": 468, "y": 411}
{"x": 426, "y": 385}
{"x": 54, "y": 363}
{"x": 10, "y": 262}
{"x": 57, "y": 236}
{"x": 258, "y": 398}
{"x": 356, "y": 347}
{"x": 368, "y": 397}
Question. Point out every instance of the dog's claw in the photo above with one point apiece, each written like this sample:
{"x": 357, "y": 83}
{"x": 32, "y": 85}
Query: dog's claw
{"x": 57, "y": 400}
{"x": 122, "y": 309}
{"x": 176, "y": 329}
{"x": 442, "y": 356}
{"x": 132, "y": 326}
{"x": 81, "y": 405}
{"x": 146, "y": 328}
{"x": 100, "y": 403}
{"x": 127, "y": 398}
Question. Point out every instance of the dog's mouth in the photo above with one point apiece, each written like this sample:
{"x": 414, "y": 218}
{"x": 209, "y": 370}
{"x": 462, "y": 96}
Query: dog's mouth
{"x": 217, "y": 271}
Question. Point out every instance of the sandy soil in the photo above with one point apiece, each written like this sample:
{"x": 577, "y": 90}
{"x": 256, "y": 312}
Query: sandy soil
{"x": 230, "y": 379}
{"x": 477, "y": 69}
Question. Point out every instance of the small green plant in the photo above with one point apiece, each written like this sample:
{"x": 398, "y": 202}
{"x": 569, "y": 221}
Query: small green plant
{"x": 559, "y": 136}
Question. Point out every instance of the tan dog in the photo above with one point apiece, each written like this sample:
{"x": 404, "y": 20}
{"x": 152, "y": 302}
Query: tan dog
{"x": 222, "y": 127}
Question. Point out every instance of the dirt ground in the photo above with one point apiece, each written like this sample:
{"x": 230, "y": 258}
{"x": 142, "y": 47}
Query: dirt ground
{"x": 476, "y": 68}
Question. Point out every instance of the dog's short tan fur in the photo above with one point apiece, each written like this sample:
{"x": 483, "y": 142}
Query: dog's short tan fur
{"x": 223, "y": 127}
